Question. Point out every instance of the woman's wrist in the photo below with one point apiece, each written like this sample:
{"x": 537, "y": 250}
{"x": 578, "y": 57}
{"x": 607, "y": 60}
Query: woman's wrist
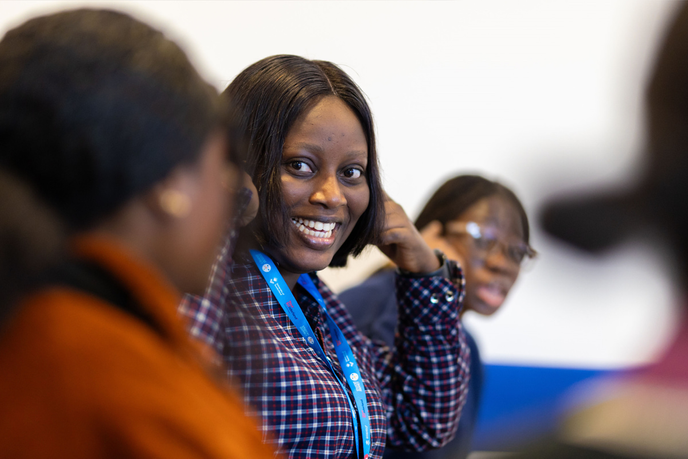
{"x": 443, "y": 270}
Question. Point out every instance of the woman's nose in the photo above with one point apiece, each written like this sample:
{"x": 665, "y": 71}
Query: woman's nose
{"x": 328, "y": 192}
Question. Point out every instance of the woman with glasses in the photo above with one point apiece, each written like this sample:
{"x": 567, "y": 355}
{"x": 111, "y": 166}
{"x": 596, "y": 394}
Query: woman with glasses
{"x": 481, "y": 223}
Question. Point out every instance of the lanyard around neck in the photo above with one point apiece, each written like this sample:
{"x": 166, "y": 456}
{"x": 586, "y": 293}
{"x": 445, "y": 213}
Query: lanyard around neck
{"x": 347, "y": 361}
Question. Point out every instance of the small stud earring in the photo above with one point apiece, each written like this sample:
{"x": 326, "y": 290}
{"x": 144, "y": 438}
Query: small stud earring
{"x": 175, "y": 203}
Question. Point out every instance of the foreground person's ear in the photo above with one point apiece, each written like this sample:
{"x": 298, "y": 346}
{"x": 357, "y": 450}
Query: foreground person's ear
{"x": 173, "y": 197}
{"x": 174, "y": 203}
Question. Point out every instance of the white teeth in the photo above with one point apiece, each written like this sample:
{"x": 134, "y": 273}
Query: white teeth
{"x": 314, "y": 228}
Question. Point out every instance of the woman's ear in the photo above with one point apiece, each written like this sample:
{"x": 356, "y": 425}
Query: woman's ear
{"x": 251, "y": 210}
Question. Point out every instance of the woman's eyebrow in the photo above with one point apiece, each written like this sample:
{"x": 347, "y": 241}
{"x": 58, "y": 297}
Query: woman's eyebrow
{"x": 356, "y": 154}
{"x": 319, "y": 149}
{"x": 304, "y": 146}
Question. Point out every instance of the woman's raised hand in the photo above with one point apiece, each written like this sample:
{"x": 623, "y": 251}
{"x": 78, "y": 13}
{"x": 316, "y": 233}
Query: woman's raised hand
{"x": 432, "y": 234}
{"x": 403, "y": 244}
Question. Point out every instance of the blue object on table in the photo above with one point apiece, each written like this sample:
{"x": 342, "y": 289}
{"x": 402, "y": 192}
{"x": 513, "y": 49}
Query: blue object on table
{"x": 522, "y": 403}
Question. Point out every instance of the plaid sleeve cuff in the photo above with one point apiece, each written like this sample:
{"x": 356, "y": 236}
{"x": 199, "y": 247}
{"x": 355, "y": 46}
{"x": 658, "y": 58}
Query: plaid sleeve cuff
{"x": 433, "y": 361}
{"x": 432, "y": 299}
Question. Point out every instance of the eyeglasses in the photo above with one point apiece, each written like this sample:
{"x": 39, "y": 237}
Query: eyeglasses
{"x": 487, "y": 240}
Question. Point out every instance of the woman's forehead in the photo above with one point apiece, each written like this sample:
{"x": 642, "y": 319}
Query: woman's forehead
{"x": 497, "y": 212}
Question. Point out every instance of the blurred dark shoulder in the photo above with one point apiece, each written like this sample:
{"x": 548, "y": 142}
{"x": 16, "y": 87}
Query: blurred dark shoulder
{"x": 31, "y": 242}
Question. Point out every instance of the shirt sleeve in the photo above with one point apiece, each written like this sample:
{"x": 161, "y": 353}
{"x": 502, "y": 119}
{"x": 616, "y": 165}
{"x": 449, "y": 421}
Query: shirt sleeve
{"x": 424, "y": 379}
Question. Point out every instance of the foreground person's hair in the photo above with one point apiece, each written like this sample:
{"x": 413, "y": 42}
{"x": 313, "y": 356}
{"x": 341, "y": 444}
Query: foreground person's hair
{"x": 96, "y": 107}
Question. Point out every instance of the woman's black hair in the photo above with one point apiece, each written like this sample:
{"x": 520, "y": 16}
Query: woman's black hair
{"x": 95, "y": 108}
{"x": 271, "y": 95}
{"x": 461, "y": 192}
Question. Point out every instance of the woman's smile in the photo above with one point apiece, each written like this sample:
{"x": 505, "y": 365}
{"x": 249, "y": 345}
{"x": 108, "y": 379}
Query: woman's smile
{"x": 492, "y": 294}
{"x": 316, "y": 232}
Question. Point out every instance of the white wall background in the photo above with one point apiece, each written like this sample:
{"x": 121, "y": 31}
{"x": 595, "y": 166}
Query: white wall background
{"x": 543, "y": 95}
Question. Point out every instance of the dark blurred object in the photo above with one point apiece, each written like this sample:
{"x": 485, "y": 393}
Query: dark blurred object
{"x": 31, "y": 241}
{"x": 591, "y": 223}
{"x": 659, "y": 197}
{"x": 645, "y": 413}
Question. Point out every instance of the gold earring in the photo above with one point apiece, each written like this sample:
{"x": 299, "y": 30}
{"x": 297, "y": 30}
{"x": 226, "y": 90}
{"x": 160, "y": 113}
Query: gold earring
{"x": 175, "y": 203}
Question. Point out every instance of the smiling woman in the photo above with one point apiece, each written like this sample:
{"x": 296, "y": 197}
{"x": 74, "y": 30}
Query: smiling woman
{"x": 321, "y": 388}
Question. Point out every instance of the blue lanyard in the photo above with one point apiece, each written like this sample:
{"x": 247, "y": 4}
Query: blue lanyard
{"x": 346, "y": 357}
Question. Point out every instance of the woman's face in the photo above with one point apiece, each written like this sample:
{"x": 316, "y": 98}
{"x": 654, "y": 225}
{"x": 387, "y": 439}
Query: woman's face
{"x": 324, "y": 184}
{"x": 210, "y": 185}
{"x": 490, "y": 273}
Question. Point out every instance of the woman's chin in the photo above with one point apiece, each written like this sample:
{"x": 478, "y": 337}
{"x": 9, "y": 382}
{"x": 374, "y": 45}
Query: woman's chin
{"x": 304, "y": 261}
{"x": 307, "y": 265}
{"x": 481, "y": 307}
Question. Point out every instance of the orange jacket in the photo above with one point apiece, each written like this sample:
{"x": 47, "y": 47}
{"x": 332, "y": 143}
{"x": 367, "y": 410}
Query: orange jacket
{"x": 80, "y": 378}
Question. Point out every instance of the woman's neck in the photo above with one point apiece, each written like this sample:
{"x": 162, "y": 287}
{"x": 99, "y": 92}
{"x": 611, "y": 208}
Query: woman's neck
{"x": 289, "y": 277}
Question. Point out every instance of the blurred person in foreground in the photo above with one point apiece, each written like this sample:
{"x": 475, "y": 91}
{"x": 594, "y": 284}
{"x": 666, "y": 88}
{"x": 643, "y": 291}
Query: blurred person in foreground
{"x": 115, "y": 187}
{"x": 482, "y": 223}
{"x": 643, "y": 414}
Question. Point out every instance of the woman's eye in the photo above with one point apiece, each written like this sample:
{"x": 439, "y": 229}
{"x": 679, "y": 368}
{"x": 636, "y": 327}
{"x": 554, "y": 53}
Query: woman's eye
{"x": 300, "y": 166}
{"x": 481, "y": 243}
{"x": 353, "y": 173}
{"x": 485, "y": 242}
{"x": 517, "y": 253}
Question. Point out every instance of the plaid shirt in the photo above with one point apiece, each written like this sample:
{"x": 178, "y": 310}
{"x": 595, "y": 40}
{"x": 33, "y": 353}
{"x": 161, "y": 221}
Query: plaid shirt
{"x": 415, "y": 392}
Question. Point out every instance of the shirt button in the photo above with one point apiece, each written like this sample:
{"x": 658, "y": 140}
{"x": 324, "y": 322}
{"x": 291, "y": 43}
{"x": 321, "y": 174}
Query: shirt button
{"x": 449, "y": 297}
{"x": 433, "y": 299}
